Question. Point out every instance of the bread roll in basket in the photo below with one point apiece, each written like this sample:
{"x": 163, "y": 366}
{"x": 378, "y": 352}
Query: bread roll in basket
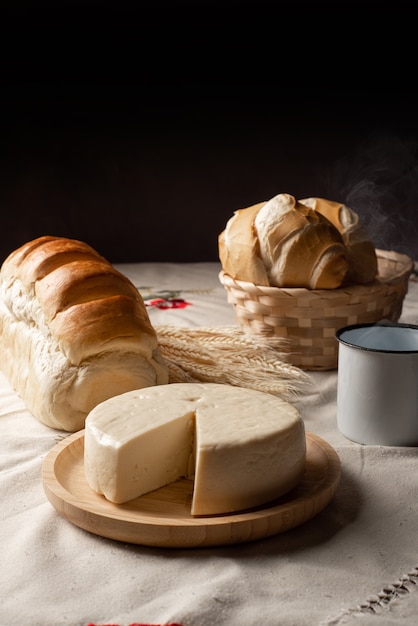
{"x": 301, "y": 270}
{"x": 73, "y": 331}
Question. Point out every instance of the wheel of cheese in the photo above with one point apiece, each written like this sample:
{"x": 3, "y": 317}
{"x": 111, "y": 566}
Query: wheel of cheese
{"x": 241, "y": 447}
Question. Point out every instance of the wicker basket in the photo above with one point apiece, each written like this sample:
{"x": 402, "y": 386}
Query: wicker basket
{"x": 308, "y": 319}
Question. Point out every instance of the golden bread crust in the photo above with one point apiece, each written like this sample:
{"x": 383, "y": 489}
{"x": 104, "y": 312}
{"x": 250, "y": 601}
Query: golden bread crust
{"x": 74, "y": 331}
{"x": 283, "y": 243}
{"x": 239, "y": 249}
{"x": 361, "y": 253}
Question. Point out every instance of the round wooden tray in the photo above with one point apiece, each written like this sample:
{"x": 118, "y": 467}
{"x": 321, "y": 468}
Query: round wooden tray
{"x": 162, "y": 518}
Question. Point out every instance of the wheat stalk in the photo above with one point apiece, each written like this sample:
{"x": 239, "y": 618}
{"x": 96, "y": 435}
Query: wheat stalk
{"x": 226, "y": 355}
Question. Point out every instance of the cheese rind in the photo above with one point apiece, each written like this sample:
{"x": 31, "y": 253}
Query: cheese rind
{"x": 244, "y": 447}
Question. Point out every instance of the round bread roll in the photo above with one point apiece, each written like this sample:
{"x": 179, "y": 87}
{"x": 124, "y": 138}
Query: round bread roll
{"x": 283, "y": 243}
{"x": 239, "y": 250}
{"x": 361, "y": 252}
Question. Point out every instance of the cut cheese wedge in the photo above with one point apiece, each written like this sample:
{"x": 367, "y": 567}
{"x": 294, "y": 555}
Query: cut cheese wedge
{"x": 241, "y": 447}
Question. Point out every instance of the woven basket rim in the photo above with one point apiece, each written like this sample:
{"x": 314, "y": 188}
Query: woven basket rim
{"x": 390, "y": 255}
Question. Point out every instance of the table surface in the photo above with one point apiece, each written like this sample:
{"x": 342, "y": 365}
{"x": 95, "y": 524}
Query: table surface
{"x": 354, "y": 562}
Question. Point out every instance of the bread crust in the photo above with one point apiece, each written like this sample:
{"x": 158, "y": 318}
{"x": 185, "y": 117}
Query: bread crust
{"x": 361, "y": 253}
{"x": 239, "y": 248}
{"x": 73, "y": 331}
{"x": 283, "y": 243}
{"x": 79, "y": 281}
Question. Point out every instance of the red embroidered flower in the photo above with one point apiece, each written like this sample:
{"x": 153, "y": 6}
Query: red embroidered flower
{"x": 168, "y": 303}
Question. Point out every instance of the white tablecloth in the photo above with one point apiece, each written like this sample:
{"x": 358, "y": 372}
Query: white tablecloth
{"x": 356, "y": 562}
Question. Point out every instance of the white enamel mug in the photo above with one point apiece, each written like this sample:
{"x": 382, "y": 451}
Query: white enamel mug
{"x": 377, "y": 389}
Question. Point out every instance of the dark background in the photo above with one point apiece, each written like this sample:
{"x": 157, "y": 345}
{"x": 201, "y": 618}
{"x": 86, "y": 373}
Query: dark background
{"x": 140, "y": 129}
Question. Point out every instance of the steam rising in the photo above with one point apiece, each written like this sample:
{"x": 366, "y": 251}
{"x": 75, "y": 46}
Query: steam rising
{"x": 380, "y": 183}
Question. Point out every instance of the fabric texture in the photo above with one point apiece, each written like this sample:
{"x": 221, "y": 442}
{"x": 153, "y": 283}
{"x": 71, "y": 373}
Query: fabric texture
{"x": 356, "y": 562}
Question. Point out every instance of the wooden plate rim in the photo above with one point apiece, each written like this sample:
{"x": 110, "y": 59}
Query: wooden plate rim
{"x": 106, "y": 524}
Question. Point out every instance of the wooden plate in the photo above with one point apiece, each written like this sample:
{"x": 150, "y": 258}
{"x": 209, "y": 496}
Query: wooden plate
{"x": 162, "y": 518}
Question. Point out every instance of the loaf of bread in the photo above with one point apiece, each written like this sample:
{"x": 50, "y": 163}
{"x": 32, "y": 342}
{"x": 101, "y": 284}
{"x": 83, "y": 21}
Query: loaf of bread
{"x": 283, "y": 243}
{"x": 361, "y": 253}
{"x": 74, "y": 331}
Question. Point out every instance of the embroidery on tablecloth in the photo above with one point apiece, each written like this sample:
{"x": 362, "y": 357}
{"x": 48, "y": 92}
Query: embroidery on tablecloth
{"x": 376, "y": 605}
{"x": 163, "y": 299}
{"x": 168, "y": 298}
{"x": 135, "y": 624}
{"x": 167, "y": 303}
